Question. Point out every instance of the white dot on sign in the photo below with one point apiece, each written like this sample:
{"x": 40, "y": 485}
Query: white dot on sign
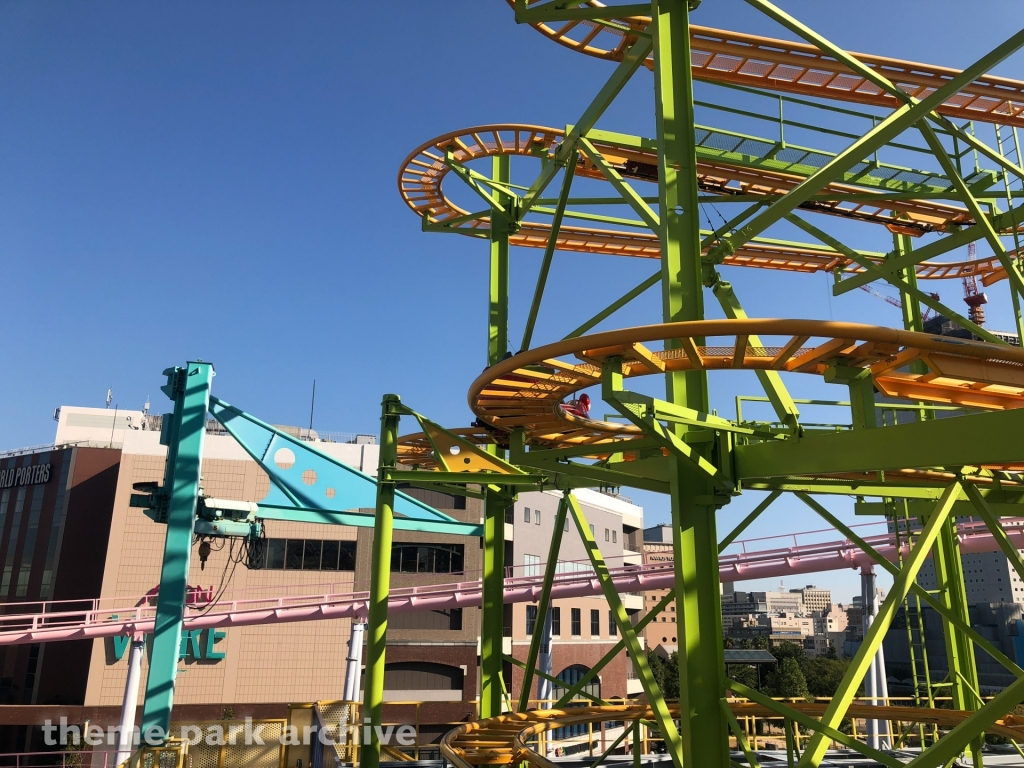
{"x": 330, "y": 493}
{"x": 284, "y": 458}
{"x": 455, "y": 450}
{"x": 309, "y": 477}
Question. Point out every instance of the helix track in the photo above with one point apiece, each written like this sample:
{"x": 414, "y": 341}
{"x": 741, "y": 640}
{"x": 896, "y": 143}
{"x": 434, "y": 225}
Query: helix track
{"x": 423, "y": 172}
{"x": 505, "y": 740}
{"x": 722, "y": 56}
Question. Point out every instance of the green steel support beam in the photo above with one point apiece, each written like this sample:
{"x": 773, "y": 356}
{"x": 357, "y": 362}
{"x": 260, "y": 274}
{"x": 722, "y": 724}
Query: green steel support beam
{"x": 543, "y": 604}
{"x": 950, "y": 746}
{"x": 741, "y": 738}
{"x": 617, "y": 648}
{"x": 991, "y": 519}
{"x": 874, "y": 76}
{"x": 1018, "y": 315}
{"x": 902, "y": 584}
{"x": 989, "y": 232}
{"x": 613, "y": 653}
{"x": 952, "y": 593}
{"x": 978, "y": 439}
{"x": 811, "y": 724}
{"x": 872, "y": 268}
{"x": 642, "y": 411}
{"x": 616, "y": 305}
{"x": 557, "y": 11}
{"x": 629, "y": 635}
{"x": 704, "y": 727}
{"x": 492, "y": 620}
{"x": 189, "y": 388}
{"x": 380, "y": 584}
{"x": 901, "y": 119}
{"x": 931, "y": 250}
{"x": 497, "y": 314}
{"x": 745, "y": 523}
{"x": 917, "y": 589}
{"x": 910, "y": 306}
{"x": 771, "y": 381}
{"x": 549, "y": 253}
{"x": 862, "y": 393}
{"x": 631, "y": 62}
{"x": 629, "y": 195}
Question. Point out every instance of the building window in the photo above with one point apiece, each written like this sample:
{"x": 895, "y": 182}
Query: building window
{"x": 613, "y": 628}
{"x": 595, "y": 623}
{"x": 592, "y": 530}
{"x": 565, "y": 527}
{"x": 556, "y": 621}
{"x": 427, "y": 558}
{"x": 577, "y": 622}
{"x": 526, "y": 514}
{"x": 531, "y": 565}
{"x": 536, "y": 516}
{"x": 510, "y": 515}
{"x": 615, "y": 536}
{"x": 304, "y": 555}
{"x": 531, "y": 618}
{"x": 607, "y": 535}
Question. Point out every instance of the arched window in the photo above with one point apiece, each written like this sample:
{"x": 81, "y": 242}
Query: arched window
{"x": 567, "y": 678}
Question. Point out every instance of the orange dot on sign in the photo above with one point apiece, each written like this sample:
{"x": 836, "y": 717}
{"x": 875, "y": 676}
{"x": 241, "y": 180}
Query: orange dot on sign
{"x": 330, "y": 493}
{"x": 309, "y": 477}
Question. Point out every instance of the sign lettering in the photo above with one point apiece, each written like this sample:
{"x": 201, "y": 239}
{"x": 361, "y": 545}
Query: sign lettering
{"x": 17, "y": 477}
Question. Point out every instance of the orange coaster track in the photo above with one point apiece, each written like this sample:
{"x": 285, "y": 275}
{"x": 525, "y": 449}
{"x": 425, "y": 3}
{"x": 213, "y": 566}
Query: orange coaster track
{"x": 506, "y": 739}
{"x": 722, "y": 56}
{"x": 424, "y": 170}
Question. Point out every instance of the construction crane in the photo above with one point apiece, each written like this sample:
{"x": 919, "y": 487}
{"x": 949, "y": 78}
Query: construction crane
{"x": 894, "y": 301}
{"x": 973, "y": 298}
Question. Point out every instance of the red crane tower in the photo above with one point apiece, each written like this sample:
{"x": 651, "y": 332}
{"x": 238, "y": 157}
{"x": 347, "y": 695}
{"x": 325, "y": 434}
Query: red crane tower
{"x": 973, "y": 298}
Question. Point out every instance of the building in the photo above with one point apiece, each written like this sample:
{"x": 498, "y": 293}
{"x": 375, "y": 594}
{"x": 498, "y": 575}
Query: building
{"x": 764, "y": 602}
{"x": 815, "y": 599}
{"x": 657, "y": 549}
{"x": 68, "y": 532}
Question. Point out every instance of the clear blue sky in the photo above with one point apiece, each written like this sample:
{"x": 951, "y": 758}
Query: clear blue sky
{"x": 218, "y": 180}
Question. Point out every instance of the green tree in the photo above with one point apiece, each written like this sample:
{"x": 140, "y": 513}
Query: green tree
{"x": 788, "y": 650}
{"x": 823, "y": 675}
{"x": 788, "y": 680}
{"x": 666, "y": 673}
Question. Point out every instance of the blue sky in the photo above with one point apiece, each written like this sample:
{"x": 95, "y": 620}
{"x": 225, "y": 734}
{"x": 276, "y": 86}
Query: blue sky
{"x": 218, "y": 180}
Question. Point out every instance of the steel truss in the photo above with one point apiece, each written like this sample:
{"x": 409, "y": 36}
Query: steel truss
{"x": 527, "y": 439}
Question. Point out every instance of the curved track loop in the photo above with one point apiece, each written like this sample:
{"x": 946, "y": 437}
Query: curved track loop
{"x": 722, "y": 56}
{"x": 504, "y": 740}
{"x": 424, "y": 170}
{"x": 527, "y": 390}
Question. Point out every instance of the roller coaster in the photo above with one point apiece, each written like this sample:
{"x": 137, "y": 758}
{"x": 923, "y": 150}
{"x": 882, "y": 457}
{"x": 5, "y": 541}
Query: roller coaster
{"x": 953, "y": 451}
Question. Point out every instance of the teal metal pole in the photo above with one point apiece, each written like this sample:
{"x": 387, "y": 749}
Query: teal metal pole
{"x": 380, "y": 586}
{"x": 189, "y": 388}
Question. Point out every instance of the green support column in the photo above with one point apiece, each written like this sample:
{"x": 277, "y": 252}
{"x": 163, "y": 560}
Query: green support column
{"x": 380, "y": 586}
{"x": 703, "y": 726}
{"x": 952, "y": 592}
{"x": 492, "y": 623}
{"x": 189, "y": 388}
{"x": 492, "y": 620}
{"x": 497, "y": 306}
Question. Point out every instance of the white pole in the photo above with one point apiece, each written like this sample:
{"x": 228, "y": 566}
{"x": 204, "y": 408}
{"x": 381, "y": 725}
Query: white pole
{"x": 354, "y": 668}
{"x": 125, "y": 737}
{"x": 867, "y": 598}
{"x": 545, "y": 665}
{"x": 882, "y": 684}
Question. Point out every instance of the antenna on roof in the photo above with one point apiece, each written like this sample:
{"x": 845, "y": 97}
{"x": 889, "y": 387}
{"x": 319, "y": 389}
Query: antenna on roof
{"x": 110, "y": 396}
{"x": 312, "y": 403}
